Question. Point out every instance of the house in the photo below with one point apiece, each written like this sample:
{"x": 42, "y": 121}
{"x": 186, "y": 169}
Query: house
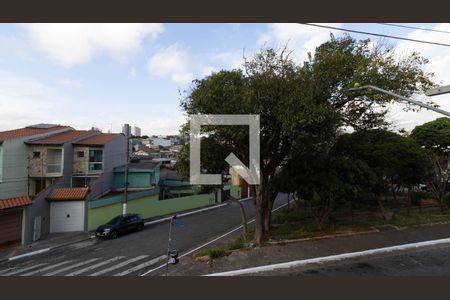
{"x": 159, "y": 141}
{"x": 96, "y": 156}
{"x": 15, "y": 189}
{"x": 65, "y": 171}
{"x": 92, "y": 161}
{"x": 142, "y": 175}
{"x": 50, "y": 167}
{"x": 67, "y": 209}
{"x": 51, "y": 157}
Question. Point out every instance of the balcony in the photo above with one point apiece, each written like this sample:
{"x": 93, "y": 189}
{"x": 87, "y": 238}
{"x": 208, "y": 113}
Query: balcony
{"x": 54, "y": 165}
{"x": 54, "y": 168}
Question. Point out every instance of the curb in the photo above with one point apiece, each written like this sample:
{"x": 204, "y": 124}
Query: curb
{"x": 329, "y": 236}
{"x": 36, "y": 252}
{"x": 193, "y": 212}
{"x": 330, "y": 258}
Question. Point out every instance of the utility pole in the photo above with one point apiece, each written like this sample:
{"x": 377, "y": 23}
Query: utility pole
{"x": 125, "y": 191}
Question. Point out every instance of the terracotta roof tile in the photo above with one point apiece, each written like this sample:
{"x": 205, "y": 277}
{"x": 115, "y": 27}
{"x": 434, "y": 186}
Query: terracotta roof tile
{"x": 61, "y": 138}
{"x": 27, "y": 131}
{"x": 15, "y": 202}
{"x": 99, "y": 140}
{"x": 68, "y": 194}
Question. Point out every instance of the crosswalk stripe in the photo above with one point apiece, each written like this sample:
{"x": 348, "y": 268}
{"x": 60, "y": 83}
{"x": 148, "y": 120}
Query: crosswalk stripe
{"x": 119, "y": 265}
{"x": 23, "y": 270}
{"x": 94, "y": 266}
{"x": 5, "y": 270}
{"x": 72, "y": 267}
{"x": 46, "y": 268}
{"x": 141, "y": 266}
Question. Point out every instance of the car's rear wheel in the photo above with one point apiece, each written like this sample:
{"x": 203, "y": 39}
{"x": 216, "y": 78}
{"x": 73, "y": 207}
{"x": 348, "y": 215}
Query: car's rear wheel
{"x": 140, "y": 226}
{"x": 114, "y": 234}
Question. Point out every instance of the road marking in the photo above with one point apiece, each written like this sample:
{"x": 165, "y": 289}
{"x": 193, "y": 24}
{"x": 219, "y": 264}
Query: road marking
{"x": 143, "y": 265}
{"x": 29, "y": 254}
{"x": 212, "y": 241}
{"x": 186, "y": 214}
{"x": 72, "y": 267}
{"x": 24, "y": 270}
{"x": 104, "y": 271}
{"x": 324, "y": 259}
{"x": 46, "y": 268}
{"x": 95, "y": 266}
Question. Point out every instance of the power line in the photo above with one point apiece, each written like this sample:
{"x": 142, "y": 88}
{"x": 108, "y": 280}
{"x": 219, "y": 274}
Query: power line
{"x": 378, "y": 34}
{"x": 413, "y": 27}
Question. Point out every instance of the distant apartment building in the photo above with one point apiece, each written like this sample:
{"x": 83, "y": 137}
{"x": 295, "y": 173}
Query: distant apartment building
{"x": 126, "y": 130}
{"x": 159, "y": 141}
{"x": 135, "y": 131}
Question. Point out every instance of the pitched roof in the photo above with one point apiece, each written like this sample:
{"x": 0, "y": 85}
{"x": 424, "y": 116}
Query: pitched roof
{"x": 62, "y": 138}
{"x": 68, "y": 194}
{"x": 139, "y": 165}
{"x": 28, "y": 131}
{"x": 15, "y": 202}
{"x": 99, "y": 140}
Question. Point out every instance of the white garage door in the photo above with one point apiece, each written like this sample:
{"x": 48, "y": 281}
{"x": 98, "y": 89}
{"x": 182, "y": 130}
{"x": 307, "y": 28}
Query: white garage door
{"x": 66, "y": 216}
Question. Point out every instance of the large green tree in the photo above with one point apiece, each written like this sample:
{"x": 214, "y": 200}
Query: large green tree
{"x": 434, "y": 136}
{"x": 301, "y": 106}
{"x": 394, "y": 162}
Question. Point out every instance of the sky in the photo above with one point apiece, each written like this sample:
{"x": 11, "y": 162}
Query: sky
{"x": 105, "y": 75}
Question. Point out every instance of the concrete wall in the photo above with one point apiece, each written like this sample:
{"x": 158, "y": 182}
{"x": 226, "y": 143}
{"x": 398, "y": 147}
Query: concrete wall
{"x": 147, "y": 206}
{"x": 41, "y": 207}
{"x": 113, "y": 156}
{"x": 15, "y": 172}
{"x": 38, "y": 166}
{"x": 80, "y": 164}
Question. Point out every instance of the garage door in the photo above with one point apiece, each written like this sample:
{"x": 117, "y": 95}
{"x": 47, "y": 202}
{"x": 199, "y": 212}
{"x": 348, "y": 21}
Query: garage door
{"x": 10, "y": 228}
{"x": 66, "y": 216}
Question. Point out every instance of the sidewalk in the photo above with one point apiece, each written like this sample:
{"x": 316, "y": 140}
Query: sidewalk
{"x": 280, "y": 253}
{"x": 52, "y": 241}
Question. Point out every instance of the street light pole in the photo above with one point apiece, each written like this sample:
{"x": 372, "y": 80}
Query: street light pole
{"x": 125, "y": 191}
{"x": 446, "y": 113}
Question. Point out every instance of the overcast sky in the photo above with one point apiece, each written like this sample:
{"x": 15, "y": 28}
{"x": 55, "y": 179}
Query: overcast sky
{"x": 104, "y": 75}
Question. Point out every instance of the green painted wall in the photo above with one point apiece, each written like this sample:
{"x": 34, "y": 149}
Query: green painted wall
{"x": 136, "y": 179}
{"x": 175, "y": 183}
{"x": 148, "y": 207}
{"x": 235, "y": 191}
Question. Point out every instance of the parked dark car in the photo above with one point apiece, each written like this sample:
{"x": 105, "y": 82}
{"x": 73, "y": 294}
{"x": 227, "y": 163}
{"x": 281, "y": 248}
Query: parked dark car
{"x": 119, "y": 225}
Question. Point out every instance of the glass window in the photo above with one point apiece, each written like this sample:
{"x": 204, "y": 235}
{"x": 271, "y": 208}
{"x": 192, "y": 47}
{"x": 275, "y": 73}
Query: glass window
{"x": 54, "y": 160}
{"x": 95, "y": 160}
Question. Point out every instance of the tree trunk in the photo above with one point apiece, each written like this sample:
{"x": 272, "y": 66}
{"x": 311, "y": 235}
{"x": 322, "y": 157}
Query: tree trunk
{"x": 383, "y": 211}
{"x": 408, "y": 202}
{"x": 268, "y": 214}
{"x": 261, "y": 198}
{"x": 243, "y": 218}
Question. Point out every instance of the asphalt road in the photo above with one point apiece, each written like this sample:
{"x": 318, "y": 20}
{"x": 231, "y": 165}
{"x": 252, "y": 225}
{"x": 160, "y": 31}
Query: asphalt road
{"x": 428, "y": 261}
{"x": 134, "y": 253}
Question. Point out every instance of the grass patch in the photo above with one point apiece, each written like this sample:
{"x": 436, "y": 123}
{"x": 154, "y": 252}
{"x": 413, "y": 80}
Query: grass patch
{"x": 217, "y": 252}
{"x": 295, "y": 224}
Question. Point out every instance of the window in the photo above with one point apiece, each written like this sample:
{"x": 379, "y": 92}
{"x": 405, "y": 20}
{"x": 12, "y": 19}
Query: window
{"x": 80, "y": 154}
{"x": 36, "y": 154}
{"x": 95, "y": 160}
{"x": 54, "y": 160}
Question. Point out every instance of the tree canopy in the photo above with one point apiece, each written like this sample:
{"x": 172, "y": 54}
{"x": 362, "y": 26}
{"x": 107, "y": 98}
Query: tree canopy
{"x": 301, "y": 107}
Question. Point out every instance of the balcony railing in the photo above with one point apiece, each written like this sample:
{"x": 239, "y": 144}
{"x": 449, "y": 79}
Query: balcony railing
{"x": 54, "y": 168}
